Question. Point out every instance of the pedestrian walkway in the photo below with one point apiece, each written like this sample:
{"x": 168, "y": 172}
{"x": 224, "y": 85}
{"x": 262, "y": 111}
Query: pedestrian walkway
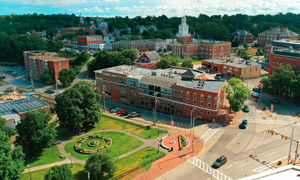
{"x": 36, "y": 168}
{"x": 210, "y": 132}
{"x": 172, "y": 160}
{"x": 225, "y": 117}
{"x": 260, "y": 121}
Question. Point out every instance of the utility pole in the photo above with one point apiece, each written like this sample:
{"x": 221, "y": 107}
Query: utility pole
{"x": 296, "y": 152}
{"x": 56, "y": 84}
{"x": 32, "y": 84}
{"x": 262, "y": 81}
{"x": 291, "y": 146}
{"x": 154, "y": 123}
{"x": 103, "y": 95}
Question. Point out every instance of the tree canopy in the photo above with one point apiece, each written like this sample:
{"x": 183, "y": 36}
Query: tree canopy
{"x": 35, "y": 132}
{"x": 99, "y": 32}
{"x": 47, "y": 76}
{"x": 8, "y": 130}
{"x": 101, "y": 165}
{"x": 11, "y": 162}
{"x": 55, "y": 45}
{"x": 62, "y": 172}
{"x": 66, "y": 76}
{"x": 246, "y": 55}
{"x": 187, "y": 63}
{"x": 167, "y": 61}
{"x": 78, "y": 106}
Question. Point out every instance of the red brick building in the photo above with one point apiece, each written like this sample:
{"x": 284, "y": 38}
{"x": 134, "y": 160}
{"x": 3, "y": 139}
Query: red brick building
{"x": 148, "y": 60}
{"x": 284, "y": 57}
{"x": 179, "y": 91}
{"x": 242, "y": 36}
{"x": 282, "y": 44}
{"x": 186, "y": 46}
{"x": 88, "y": 40}
{"x": 276, "y": 33}
{"x": 37, "y": 61}
{"x": 142, "y": 45}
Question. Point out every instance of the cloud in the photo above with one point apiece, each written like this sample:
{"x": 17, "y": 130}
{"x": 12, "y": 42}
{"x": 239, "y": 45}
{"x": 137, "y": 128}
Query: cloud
{"x": 122, "y": 9}
{"x": 55, "y": 3}
{"x": 112, "y": 1}
{"x": 142, "y": 2}
{"x": 94, "y": 10}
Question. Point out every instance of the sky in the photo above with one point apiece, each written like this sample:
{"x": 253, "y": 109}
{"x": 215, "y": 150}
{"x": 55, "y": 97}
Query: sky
{"x": 132, "y": 8}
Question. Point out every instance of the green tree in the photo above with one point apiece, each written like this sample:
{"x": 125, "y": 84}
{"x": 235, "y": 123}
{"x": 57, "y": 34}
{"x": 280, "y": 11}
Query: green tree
{"x": 69, "y": 35}
{"x": 246, "y": 46}
{"x": 66, "y": 76}
{"x": 168, "y": 61}
{"x": 50, "y": 33}
{"x": 187, "y": 63}
{"x": 81, "y": 58}
{"x": 237, "y": 94}
{"x": 47, "y": 76}
{"x": 82, "y": 32}
{"x": 101, "y": 165}
{"x": 11, "y": 162}
{"x": 35, "y": 132}
{"x": 62, "y": 172}
{"x": 235, "y": 43}
{"x": 78, "y": 106}
{"x": 8, "y": 130}
{"x": 246, "y": 55}
{"x": 99, "y": 32}
{"x": 55, "y": 45}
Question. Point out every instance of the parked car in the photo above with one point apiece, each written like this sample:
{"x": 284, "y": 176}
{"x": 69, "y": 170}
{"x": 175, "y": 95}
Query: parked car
{"x": 220, "y": 161}
{"x": 220, "y": 74}
{"x": 114, "y": 107}
{"x": 265, "y": 74}
{"x": 246, "y": 108}
{"x": 267, "y": 70}
{"x": 276, "y": 101}
{"x": 4, "y": 77}
{"x": 115, "y": 110}
{"x": 29, "y": 87}
{"x": 49, "y": 91}
{"x": 125, "y": 113}
{"x": 244, "y": 124}
{"x": 134, "y": 114}
{"x": 218, "y": 77}
{"x": 121, "y": 111}
{"x": 256, "y": 89}
{"x": 255, "y": 94}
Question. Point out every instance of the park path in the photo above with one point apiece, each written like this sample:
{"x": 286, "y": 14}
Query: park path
{"x": 61, "y": 144}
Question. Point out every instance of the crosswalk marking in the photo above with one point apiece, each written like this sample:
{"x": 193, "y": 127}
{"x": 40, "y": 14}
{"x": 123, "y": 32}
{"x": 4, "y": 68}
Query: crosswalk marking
{"x": 259, "y": 121}
{"x": 210, "y": 132}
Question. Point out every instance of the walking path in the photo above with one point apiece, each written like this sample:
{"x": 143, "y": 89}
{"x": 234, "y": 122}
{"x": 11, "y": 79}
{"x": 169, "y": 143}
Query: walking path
{"x": 36, "y": 168}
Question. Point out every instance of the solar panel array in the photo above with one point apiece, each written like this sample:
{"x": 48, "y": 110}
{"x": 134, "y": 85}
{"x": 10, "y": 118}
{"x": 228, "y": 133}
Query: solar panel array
{"x": 20, "y": 106}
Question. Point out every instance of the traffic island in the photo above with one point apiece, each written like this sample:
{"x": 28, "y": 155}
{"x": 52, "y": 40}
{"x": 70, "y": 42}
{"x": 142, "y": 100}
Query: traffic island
{"x": 174, "y": 159}
{"x": 284, "y": 162}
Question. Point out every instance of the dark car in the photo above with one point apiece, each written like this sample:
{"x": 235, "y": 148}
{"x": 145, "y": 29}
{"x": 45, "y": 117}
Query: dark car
{"x": 220, "y": 161}
{"x": 218, "y": 77}
{"x": 244, "y": 124}
{"x": 49, "y": 92}
{"x": 256, "y": 89}
{"x": 221, "y": 75}
{"x": 265, "y": 74}
{"x": 276, "y": 101}
{"x": 125, "y": 113}
{"x": 246, "y": 108}
{"x": 115, "y": 110}
{"x": 4, "y": 77}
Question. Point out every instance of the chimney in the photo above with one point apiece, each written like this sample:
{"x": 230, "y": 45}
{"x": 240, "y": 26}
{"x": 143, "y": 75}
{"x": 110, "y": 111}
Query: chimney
{"x": 287, "y": 28}
{"x": 271, "y": 28}
{"x": 248, "y": 32}
{"x": 282, "y": 29}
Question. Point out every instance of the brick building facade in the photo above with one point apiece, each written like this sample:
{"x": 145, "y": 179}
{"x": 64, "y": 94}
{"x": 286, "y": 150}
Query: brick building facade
{"x": 88, "y": 40}
{"x": 179, "y": 91}
{"x": 186, "y": 46}
{"x": 148, "y": 60}
{"x": 142, "y": 45}
{"x": 242, "y": 36}
{"x": 276, "y": 33}
{"x": 37, "y": 61}
{"x": 233, "y": 68}
{"x": 282, "y": 44}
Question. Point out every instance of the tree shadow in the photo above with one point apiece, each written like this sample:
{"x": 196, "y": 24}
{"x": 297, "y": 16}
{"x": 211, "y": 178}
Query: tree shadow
{"x": 81, "y": 175}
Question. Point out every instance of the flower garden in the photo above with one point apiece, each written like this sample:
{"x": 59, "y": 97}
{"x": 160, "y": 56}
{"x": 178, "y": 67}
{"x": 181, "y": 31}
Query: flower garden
{"x": 184, "y": 142}
{"x": 93, "y": 143}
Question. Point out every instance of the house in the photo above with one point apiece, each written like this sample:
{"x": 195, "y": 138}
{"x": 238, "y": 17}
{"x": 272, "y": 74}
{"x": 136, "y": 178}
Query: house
{"x": 242, "y": 36}
{"x": 148, "y": 60}
{"x": 146, "y": 28}
{"x": 88, "y": 40}
{"x": 276, "y": 33}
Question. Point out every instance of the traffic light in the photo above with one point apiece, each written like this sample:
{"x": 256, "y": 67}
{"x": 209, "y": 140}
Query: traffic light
{"x": 286, "y": 137}
{"x": 268, "y": 130}
{"x": 272, "y": 132}
{"x": 282, "y": 136}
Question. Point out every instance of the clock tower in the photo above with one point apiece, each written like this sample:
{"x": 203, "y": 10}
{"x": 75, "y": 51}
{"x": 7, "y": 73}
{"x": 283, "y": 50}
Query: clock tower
{"x": 183, "y": 32}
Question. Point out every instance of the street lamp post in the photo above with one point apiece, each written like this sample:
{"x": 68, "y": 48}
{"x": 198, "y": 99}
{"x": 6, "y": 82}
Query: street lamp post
{"x": 70, "y": 159}
{"x": 262, "y": 81}
{"x": 158, "y": 146}
{"x": 29, "y": 171}
{"x": 103, "y": 95}
{"x": 158, "y": 126}
{"x": 191, "y": 121}
{"x": 248, "y": 76}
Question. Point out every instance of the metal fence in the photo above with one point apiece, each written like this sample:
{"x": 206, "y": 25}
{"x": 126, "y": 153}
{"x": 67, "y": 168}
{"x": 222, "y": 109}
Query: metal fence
{"x": 207, "y": 168}
{"x": 176, "y": 124}
{"x": 138, "y": 167}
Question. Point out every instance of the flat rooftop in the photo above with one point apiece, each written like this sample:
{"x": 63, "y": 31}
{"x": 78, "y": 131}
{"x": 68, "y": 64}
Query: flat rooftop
{"x": 291, "y": 53}
{"x": 48, "y": 58}
{"x": 230, "y": 62}
{"x": 21, "y": 106}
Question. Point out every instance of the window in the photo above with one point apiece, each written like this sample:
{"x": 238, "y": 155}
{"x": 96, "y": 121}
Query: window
{"x": 187, "y": 108}
{"x": 181, "y": 106}
{"x": 201, "y": 103}
{"x": 181, "y": 92}
{"x": 187, "y": 93}
{"x": 114, "y": 78}
{"x": 106, "y": 77}
{"x": 201, "y": 111}
{"x": 142, "y": 102}
{"x": 236, "y": 69}
{"x": 122, "y": 87}
{"x": 114, "y": 85}
{"x": 209, "y": 98}
{"x": 143, "y": 97}
{"x": 194, "y": 101}
{"x": 208, "y": 113}
{"x": 195, "y": 95}
{"x": 177, "y": 91}
{"x": 216, "y": 98}
{"x": 215, "y": 106}
{"x": 215, "y": 114}
{"x": 122, "y": 80}
{"x": 225, "y": 67}
{"x": 173, "y": 90}
{"x": 187, "y": 100}
{"x": 202, "y": 96}
{"x": 194, "y": 109}
{"x": 208, "y": 105}
{"x": 123, "y": 92}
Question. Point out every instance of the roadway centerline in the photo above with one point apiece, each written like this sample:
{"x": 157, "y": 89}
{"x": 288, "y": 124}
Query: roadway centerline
{"x": 240, "y": 165}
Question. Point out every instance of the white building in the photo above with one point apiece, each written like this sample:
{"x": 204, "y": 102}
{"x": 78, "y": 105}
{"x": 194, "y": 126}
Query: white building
{"x": 99, "y": 46}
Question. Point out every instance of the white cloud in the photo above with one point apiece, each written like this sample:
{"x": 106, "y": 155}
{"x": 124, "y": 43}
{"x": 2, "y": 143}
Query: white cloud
{"x": 55, "y": 3}
{"x": 94, "y": 10}
{"x": 142, "y": 2}
{"x": 122, "y": 9}
{"x": 112, "y": 1}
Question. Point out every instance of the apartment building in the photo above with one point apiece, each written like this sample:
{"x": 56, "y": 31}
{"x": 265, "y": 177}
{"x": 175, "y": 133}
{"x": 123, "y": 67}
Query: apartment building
{"x": 242, "y": 36}
{"x": 186, "y": 46}
{"x": 143, "y": 45}
{"x": 37, "y": 61}
{"x": 233, "y": 68}
{"x": 148, "y": 60}
{"x": 282, "y": 44}
{"x": 179, "y": 91}
{"x": 276, "y": 33}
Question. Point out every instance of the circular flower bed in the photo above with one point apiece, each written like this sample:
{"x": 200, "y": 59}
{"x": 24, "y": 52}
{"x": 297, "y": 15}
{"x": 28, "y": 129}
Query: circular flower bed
{"x": 94, "y": 143}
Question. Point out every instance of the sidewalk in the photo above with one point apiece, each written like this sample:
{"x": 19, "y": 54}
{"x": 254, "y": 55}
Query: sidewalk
{"x": 172, "y": 160}
{"x": 36, "y": 168}
{"x": 225, "y": 117}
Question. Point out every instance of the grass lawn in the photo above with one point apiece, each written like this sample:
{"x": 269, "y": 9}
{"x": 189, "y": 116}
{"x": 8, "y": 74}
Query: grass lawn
{"x": 142, "y": 156}
{"x": 252, "y": 51}
{"x": 121, "y": 144}
{"x": 197, "y": 61}
{"x": 112, "y": 123}
{"x": 49, "y": 155}
{"x": 77, "y": 170}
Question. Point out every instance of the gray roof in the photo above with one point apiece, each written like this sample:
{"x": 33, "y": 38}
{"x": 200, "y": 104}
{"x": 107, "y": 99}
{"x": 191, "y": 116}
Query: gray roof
{"x": 190, "y": 73}
{"x": 158, "y": 81}
{"x": 231, "y": 62}
{"x": 21, "y": 106}
{"x": 138, "y": 41}
{"x": 241, "y": 32}
{"x": 152, "y": 55}
{"x": 285, "y": 32}
{"x": 208, "y": 85}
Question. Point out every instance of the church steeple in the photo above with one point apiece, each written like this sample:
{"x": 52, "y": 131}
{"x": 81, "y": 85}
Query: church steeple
{"x": 81, "y": 22}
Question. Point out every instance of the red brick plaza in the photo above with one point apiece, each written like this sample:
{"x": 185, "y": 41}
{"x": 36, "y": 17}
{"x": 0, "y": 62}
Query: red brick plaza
{"x": 174, "y": 159}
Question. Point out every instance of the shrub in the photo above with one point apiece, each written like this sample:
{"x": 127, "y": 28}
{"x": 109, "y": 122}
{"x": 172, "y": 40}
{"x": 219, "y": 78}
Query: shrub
{"x": 80, "y": 149}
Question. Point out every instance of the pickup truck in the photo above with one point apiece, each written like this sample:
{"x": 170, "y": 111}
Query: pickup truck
{"x": 134, "y": 114}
